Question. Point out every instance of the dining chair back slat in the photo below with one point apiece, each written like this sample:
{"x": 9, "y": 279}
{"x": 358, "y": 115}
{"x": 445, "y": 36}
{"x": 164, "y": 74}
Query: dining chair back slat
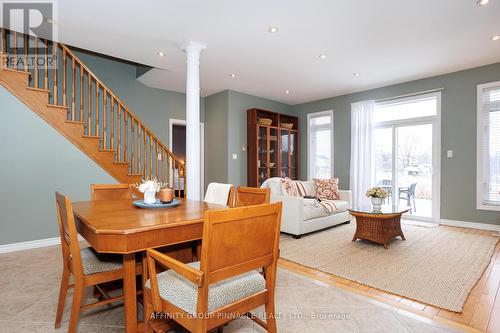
{"x": 110, "y": 191}
{"x": 249, "y": 196}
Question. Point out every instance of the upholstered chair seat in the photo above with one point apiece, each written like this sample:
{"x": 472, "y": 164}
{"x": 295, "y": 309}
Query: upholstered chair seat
{"x": 182, "y": 293}
{"x": 97, "y": 263}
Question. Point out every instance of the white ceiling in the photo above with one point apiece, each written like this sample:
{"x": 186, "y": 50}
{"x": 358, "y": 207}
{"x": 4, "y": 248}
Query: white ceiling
{"x": 386, "y": 41}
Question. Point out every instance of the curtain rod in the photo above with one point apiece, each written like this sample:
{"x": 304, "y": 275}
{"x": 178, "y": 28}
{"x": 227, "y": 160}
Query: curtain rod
{"x": 409, "y": 95}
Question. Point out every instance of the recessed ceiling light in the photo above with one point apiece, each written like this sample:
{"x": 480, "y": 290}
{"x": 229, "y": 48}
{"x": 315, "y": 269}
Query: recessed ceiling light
{"x": 232, "y": 75}
{"x": 482, "y": 2}
{"x": 161, "y": 54}
{"x": 497, "y": 37}
{"x": 356, "y": 74}
{"x": 273, "y": 30}
{"x": 287, "y": 92}
{"x": 323, "y": 56}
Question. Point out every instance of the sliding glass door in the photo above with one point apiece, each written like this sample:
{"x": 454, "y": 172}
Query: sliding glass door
{"x": 406, "y": 155}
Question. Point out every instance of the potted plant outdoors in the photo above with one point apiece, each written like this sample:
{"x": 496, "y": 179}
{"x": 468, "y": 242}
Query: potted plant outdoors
{"x": 377, "y": 196}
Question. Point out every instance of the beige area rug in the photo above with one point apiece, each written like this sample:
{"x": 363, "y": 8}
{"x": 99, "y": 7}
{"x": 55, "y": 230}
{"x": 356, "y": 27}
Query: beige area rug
{"x": 437, "y": 266}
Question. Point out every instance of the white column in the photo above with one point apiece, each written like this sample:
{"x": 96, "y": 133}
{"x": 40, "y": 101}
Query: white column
{"x": 193, "y": 149}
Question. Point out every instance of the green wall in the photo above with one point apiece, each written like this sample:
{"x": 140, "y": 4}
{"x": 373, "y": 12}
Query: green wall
{"x": 153, "y": 106}
{"x": 216, "y": 138}
{"x": 458, "y": 132}
{"x": 36, "y": 161}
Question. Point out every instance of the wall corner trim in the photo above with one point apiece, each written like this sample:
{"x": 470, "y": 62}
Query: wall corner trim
{"x": 472, "y": 225}
{"x": 22, "y": 246}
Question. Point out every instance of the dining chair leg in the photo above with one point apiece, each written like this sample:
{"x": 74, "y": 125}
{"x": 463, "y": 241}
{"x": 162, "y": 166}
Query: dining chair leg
{"x": 147, "y": 308}
{"x": 75, "y": 308}
{"x": 63, "y": 291}
{"x": 202, "y": 326}
{"x": 270, "y": 315}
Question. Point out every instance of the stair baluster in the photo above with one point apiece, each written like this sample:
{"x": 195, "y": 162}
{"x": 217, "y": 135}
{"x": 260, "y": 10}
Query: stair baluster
{"x": 46, "y": 65}
{"x": 55, "y": 100}
{"x": 80, "y": 117}
{"x": 104, "y": 119}
{"x": 26, "y": 47}
{"x": 64, "y": 97}
{"x": 125, "y": 135}
{"x": 35, "y": 63}
{"x": 73, "y": 89}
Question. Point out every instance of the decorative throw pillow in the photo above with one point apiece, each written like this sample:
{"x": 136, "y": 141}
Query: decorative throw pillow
{"x": 301, "y": 190}
{"x": 289, "y": 187}
{"x": 327, "y": 188}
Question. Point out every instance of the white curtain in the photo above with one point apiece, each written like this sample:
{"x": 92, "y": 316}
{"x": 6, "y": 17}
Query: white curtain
{"x": 361, "y": 152}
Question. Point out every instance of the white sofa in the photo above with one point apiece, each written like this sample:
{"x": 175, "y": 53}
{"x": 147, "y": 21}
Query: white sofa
{"x": 301, "y": 216}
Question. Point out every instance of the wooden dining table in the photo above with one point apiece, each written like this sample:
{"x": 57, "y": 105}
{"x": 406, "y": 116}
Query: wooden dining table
{"x": 117, "y": 226}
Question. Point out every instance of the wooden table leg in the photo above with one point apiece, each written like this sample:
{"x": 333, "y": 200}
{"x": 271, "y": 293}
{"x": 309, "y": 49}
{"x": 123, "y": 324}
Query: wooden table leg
{"x": 129, "y": 291}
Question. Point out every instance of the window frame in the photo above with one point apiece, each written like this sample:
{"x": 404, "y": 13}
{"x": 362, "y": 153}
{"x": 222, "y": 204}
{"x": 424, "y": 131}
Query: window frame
{"x": 309, "y": 141}
{"x": 480, "y": 205}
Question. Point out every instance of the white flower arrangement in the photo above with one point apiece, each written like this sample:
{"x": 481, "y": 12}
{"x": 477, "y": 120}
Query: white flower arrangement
{"x": 150, "y": 185}
{"x": 377, "y": 192}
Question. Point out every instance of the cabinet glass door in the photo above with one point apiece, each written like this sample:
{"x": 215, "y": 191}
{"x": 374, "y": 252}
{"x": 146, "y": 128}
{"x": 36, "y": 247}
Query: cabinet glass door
{"x": 293, "y": 155}
{"x": 262, "y": 154}
{"x": 273, "y": 153}
{"x": 284, "y": 153}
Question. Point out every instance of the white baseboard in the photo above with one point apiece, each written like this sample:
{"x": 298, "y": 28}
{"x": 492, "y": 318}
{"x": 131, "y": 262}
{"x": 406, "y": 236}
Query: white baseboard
{"x": 14, "y": 247}
{"x": 472, "y": 225}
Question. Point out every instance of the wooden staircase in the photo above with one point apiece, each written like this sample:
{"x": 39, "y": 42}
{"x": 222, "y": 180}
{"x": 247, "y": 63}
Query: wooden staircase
{"x": 82, "y": 108}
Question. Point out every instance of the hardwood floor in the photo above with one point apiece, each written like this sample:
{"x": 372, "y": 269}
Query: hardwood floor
{"x": 481, "y": 310}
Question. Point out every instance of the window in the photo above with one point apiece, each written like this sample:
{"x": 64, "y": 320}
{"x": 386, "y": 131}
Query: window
{"x": 320, "y": 137}
{"x": 413, "y": 107}
{"x": 406, "y": 152}
{"x": 488, "y": 146}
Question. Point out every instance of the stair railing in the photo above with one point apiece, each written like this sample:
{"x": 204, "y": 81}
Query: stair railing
{"x": 89, "y": 101}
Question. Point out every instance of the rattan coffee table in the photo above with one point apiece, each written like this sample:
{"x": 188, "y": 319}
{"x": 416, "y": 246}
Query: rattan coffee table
{"x": 378, "y": 227}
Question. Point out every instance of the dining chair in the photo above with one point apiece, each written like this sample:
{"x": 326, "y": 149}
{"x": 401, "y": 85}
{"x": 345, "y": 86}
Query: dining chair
{"x": 249, "y": 196}
{"x": 87, "y": 267}
{"x": 220, "y": 194}
{"x": 206, "y": 294}
{"x": 110, "y": 191}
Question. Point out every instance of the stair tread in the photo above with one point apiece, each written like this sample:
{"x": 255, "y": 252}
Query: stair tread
{"x": 135, "y": 174}
{"x": 91, "y": 136}
{"x": 107, "y": 150}
{"x": 121, "y": 163}
{"x": 57, "y": 106}
{"x": 39, "y": 89}
{"x": 75, "y": 122}
{"x": 17, "y": 71}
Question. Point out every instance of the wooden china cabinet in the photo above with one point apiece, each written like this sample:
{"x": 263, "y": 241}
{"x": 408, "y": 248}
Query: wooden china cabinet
{"x": 273, "y": 146}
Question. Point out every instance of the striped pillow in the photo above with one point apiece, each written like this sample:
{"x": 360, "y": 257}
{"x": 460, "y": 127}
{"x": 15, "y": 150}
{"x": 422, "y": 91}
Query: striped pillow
{"x": 293, "y": 188}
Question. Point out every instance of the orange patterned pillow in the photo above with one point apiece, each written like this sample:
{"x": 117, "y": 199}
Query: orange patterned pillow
{"x": 327, "y": 188}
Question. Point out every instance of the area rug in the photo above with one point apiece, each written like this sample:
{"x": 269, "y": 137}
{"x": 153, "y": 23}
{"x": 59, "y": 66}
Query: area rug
{"x": 437, "y": 266}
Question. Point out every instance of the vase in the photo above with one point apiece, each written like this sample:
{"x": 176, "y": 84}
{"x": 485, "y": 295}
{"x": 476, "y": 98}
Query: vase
{"x": 377, "y": 204}
{"x": 166, "y": 195}
{"x": 149, "y": 197}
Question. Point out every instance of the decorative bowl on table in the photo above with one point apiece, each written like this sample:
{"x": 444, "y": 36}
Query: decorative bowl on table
{"x": 157, "y": 204}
